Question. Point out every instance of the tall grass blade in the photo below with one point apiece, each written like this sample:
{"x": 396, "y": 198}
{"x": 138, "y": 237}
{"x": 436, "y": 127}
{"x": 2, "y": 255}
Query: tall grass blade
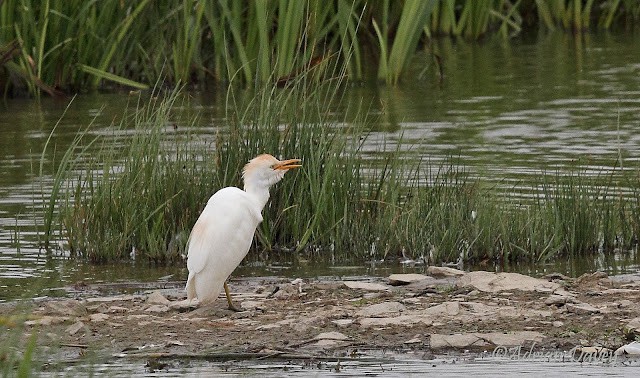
{"x": 111, "y": 77}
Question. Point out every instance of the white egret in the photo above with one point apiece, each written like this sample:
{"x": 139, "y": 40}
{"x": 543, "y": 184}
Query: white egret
{"x": 223, "y": 233}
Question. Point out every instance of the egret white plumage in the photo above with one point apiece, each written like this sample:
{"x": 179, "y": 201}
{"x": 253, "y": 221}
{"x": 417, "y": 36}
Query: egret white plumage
{"x": 222, "y": 235}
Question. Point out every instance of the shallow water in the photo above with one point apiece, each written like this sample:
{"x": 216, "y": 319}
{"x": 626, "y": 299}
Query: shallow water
{"x": 506, "y": 111}
{"x": 386, "y": 365}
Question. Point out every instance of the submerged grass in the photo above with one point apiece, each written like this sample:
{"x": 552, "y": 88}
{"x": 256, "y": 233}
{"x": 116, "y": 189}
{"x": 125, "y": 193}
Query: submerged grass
{"x": 138, "y": 198}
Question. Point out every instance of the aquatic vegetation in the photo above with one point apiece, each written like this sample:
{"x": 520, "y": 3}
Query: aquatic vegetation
{"x": 57, "y": 46}
{"x": 139, "y": 199}
{"x": 17, "y": 353}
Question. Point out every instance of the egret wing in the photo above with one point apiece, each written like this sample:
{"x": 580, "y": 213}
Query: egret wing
{"x": 223, "y": 233}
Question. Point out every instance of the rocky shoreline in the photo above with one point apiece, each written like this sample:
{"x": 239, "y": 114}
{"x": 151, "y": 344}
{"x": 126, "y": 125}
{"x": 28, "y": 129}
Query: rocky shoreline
{"x": 446, "y": 311}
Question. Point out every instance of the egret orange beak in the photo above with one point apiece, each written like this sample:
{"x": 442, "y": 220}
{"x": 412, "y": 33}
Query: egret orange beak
{"x": 285, "y": 165}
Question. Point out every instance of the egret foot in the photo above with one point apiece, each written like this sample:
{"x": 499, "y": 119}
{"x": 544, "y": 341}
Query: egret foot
{"x": 231, "y": 306}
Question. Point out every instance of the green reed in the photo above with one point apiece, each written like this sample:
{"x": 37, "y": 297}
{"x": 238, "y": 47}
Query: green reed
{"x": 136, "y": 194}
{"x": 64, "y": 46}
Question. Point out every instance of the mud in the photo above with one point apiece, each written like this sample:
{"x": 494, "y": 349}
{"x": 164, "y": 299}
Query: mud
{"x": 325, "y": 320}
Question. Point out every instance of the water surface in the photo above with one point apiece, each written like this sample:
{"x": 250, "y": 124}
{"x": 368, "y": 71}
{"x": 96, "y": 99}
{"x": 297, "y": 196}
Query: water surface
{"x": 508, "y": 112}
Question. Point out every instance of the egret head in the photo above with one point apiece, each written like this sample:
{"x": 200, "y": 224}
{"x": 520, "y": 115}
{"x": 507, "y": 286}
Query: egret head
{"x": 265, "y": 170}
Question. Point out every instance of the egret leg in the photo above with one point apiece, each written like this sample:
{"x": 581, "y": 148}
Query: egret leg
{"x": 228, "y": 294}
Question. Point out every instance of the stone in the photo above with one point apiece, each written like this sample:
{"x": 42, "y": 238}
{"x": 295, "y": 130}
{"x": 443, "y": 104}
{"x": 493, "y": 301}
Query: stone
{"x": 496, "y": 282}
{"x": 265, "y": 327}
{"x": 365, "y": 285}
{"x": 443, "y": 309}
{"x": 47, "y": 320}
{"x": 557, "y": 323}
{"x": 632, "y": 329}
{"x": 427, "y": 315}
{"x": 342, "y": 322}
{"x": 632, "y": 348}
{"x": 595, "y": 280}
{"x": 372, "y": 295}
{"x": 288, "y": 292}
{"x": 74, "y": 328}
{"x": 582, "y": 308}
{"x": 619, "y": 291}
{"x": 124, "y": 297}
{"x": 327, "y": 343}
{"x": 513, "y": 338}
{"x": 157, "y": 308}
{"x": 417, "y": 339}
{"x": 556, "y": 276}
{"x": 459, "y": 340}
{"x": 184, "y": 305}
{"x": 251, "y": 305}
{"x": 468, "y": 340}
{"x": 624, "y": 303}
{"x": 99, "y": 317}
{"x": 69, "y": 307}
{"x": 402, "y": 320}
{"x": 331, "y": 336}
{"x": 114, "y": 309}
{"x": 591, "y": 277}
{"x": 559, "y": 300}
{"x": 380, "y": 309}
{"x": 157, "y": 298}
{"x": 405, "y": 279}
{"x": 443, "y": 272}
